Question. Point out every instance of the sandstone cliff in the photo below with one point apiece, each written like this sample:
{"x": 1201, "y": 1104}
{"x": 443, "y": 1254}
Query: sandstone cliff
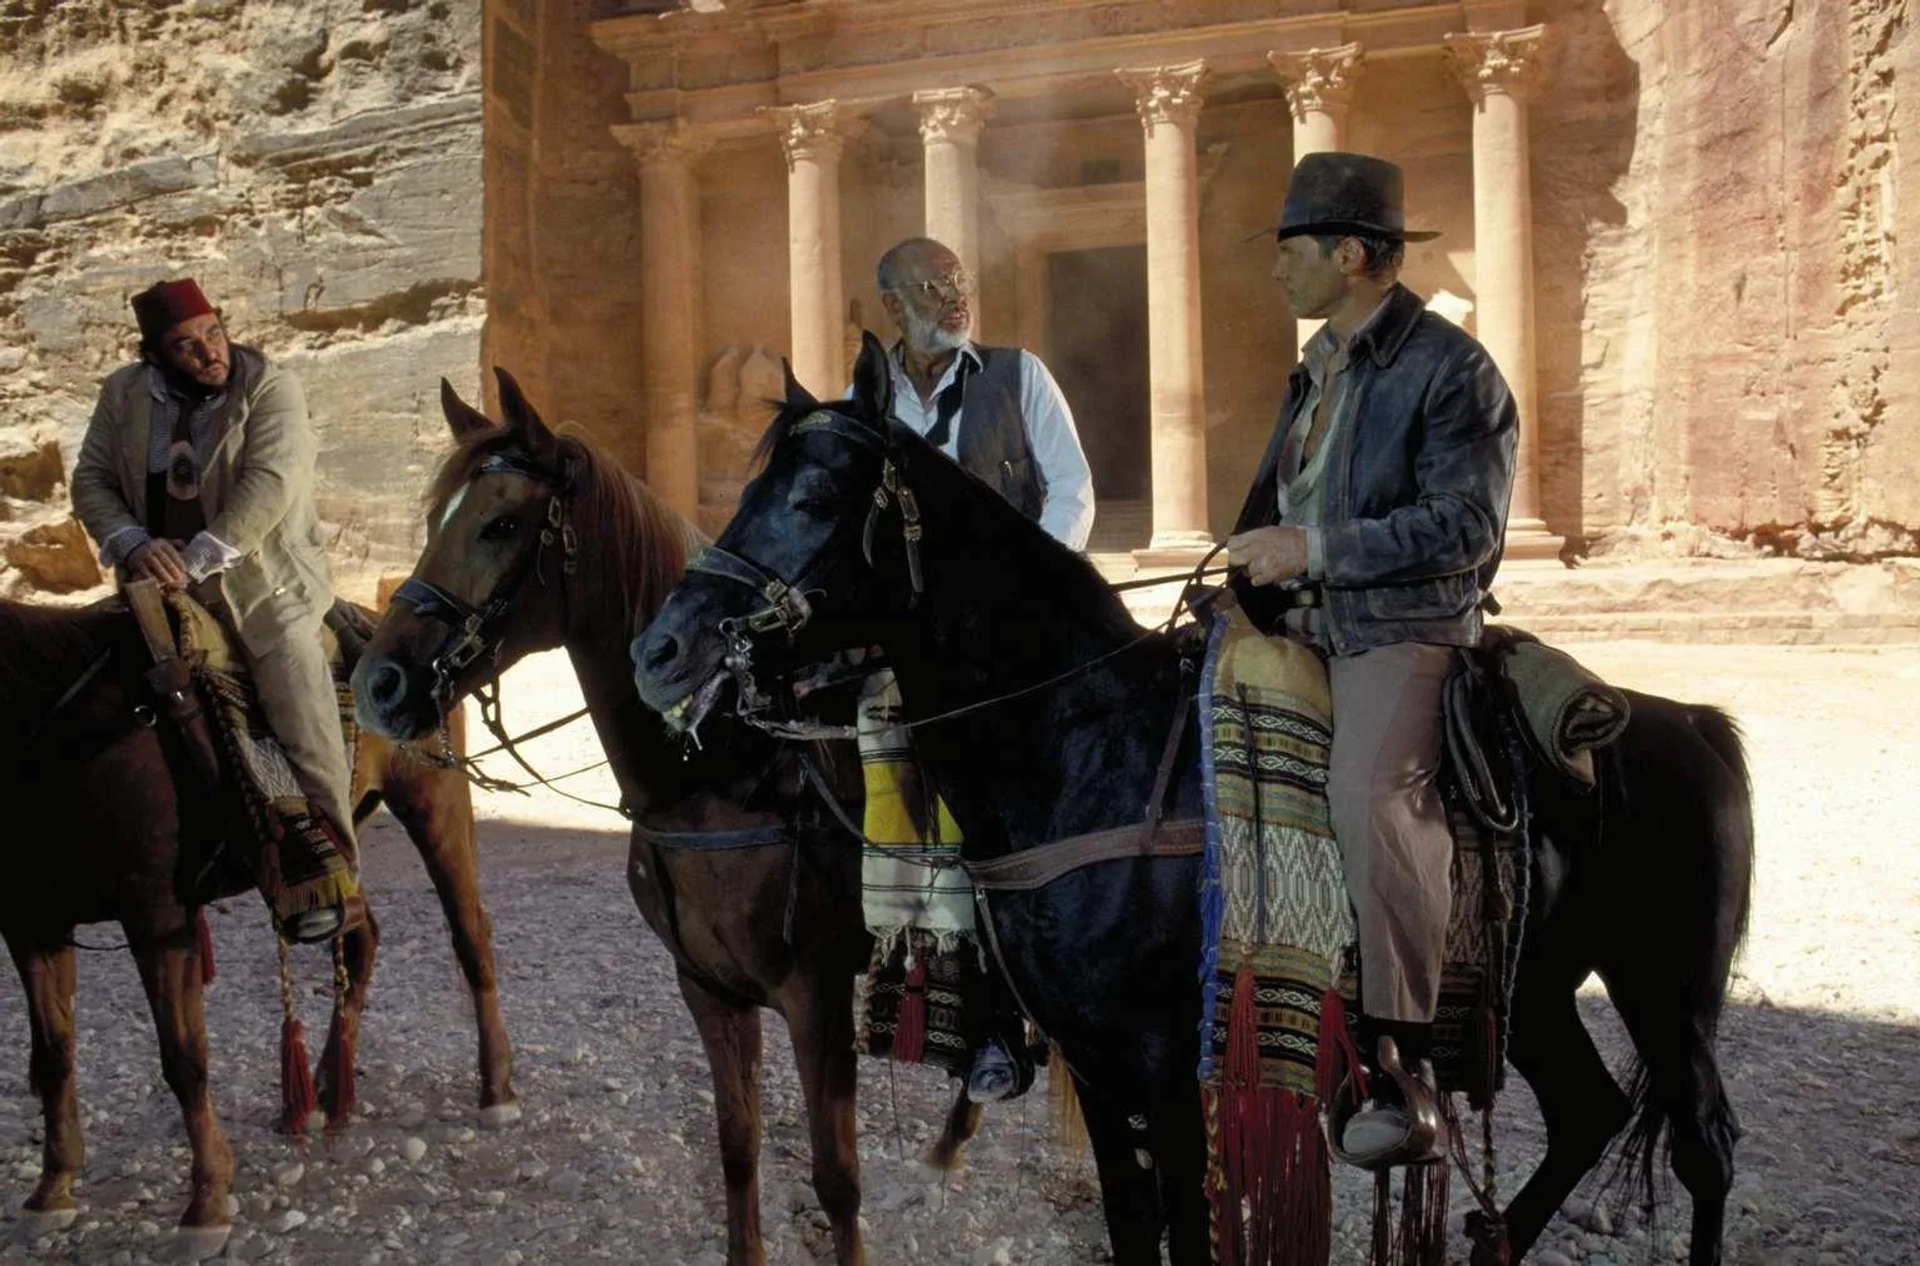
{"x": 315, "y": 163}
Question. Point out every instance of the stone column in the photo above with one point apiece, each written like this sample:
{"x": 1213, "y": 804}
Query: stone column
{"x": 1499, "y": 70}
{"x": 1319, "y": 84}
{"x": 950, "y": 121}
{"x": 1168, "y": 99}
{"x": 669, "y": 268}
{"x": 812, "y": 137}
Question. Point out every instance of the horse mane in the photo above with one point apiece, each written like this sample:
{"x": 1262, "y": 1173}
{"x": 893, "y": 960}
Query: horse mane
{"x": 651, "y": 541}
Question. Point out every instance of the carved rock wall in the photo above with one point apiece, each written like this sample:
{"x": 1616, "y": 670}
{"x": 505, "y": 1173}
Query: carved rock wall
{"x": 314, "y": 163}
{"x": 1727, "y": 335}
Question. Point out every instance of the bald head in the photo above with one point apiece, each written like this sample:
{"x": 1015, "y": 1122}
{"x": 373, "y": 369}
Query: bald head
{"x": 927, "y": 295}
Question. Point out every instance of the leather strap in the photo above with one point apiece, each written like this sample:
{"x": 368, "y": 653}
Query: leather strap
{"x": 1038, "y": 867}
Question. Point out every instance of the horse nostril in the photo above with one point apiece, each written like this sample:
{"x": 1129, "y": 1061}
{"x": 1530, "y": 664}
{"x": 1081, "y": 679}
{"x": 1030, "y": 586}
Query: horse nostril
{"x": 386, "y": 685}
{"x": 664, "y": 651}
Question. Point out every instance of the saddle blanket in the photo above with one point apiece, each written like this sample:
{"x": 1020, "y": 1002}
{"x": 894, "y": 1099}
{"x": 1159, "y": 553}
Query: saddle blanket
{"x": 297, "y": 860}
{"x": 918, "y": 999}
{"x": 1279, "y": 976}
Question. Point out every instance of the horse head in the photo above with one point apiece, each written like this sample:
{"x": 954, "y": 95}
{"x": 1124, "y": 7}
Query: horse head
{"x": 490, "y": 586}
{"x": 822, "y": 547}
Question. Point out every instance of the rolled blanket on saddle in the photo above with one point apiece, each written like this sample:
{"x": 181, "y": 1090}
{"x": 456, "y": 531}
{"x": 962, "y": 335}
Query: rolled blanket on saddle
{"x": 917, "y": 1002}
{"x": 1568, "y": 712}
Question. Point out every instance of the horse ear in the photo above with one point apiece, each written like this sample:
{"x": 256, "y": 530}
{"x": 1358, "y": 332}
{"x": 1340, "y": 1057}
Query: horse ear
{"x": 522, "y": 418}
{"x": 873, "y": 379}
{"x": 798, "y": 397}
{"x": 462, "y": 418}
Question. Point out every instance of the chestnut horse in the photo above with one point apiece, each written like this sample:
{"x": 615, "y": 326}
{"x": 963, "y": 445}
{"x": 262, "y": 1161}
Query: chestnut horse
{"x": 537, "y": 541}
{"x": 117, "y": 839}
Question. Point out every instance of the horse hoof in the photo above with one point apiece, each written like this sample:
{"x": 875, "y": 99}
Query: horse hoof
{"x": 35, "y": 1223}
{"x": 198, "y": 1243}
{"x": 936, "y": 1167}
{"x": 500, "y": 1115}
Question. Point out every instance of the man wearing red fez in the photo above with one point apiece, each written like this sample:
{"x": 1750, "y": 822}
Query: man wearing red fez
{"x": 197, "y": 472}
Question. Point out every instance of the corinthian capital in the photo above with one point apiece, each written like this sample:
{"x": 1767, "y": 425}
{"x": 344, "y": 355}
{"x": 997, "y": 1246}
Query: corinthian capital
{"x": 661, "y": 144}
{"x": 952, "y": 114}
{"x": 811, "y": 131}
{"x": 1497, "y": 62}
{"x": 1319, "y": 80}
{"x": 1166, "y": 94}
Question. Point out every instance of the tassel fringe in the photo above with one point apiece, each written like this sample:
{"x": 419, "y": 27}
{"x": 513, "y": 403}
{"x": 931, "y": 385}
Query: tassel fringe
{"x": 1272, "y": 1186}
{"x": 910, "y": 1028}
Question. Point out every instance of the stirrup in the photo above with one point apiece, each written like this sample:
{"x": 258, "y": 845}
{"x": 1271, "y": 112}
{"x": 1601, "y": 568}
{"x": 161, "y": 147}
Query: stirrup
{"x": 1424, "y": 1142}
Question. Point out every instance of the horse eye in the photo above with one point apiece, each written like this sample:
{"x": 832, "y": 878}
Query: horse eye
{"x": 499, "y": 529}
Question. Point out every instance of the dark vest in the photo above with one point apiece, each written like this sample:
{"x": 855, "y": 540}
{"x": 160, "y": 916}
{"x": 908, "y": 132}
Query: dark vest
{"x": 993, "y": 431}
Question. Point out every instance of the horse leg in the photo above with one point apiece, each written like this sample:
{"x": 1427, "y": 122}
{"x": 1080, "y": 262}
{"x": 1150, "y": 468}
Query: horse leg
{"x": 169, "y": 963}
{"x": 435, "y": 806}
{"x": 46, "y": 969}
{"x": 1672, "y": 1032}
{"x": 731, "y": 1035}
{"x": 1581, "y": 1104}
{"x": 359, "y": 944}
{"x": 820, "y": 1020}
{"x": 1129, "y": 1193}
{"x": 1180, "y": 1157}
{"x": 963, "y": 1122}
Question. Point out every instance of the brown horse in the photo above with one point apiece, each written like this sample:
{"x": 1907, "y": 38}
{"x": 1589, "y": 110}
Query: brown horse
{"x": 116, "y": 840}
{"x": 536, "y": 541}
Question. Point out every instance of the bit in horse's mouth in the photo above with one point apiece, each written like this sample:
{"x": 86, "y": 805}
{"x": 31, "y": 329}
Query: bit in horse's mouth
{"x": 686, "y": 715}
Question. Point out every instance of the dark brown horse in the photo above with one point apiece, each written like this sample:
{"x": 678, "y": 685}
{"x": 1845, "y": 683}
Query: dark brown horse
{"x": 536, "y": 541}
{"x": 116, "y": 840}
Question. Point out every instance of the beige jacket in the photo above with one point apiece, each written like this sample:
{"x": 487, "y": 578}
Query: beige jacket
{"x": 256, "y": 491}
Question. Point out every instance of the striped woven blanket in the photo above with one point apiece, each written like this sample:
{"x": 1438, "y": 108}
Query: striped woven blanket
{"x": 917, "y": 1002}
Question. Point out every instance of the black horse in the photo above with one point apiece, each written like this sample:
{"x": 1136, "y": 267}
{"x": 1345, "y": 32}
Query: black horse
{"x": 886, "y": 542}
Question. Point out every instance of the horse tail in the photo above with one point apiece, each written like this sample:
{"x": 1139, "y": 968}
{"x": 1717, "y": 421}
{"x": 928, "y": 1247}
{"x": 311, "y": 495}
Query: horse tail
{"x": 1722, "y": 733}
{"x": 1730, "y": 836}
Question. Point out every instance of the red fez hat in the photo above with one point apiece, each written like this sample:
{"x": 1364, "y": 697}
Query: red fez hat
{"x": 166, "y": 304}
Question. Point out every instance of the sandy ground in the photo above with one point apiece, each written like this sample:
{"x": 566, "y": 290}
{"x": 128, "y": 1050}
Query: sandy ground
{"x": 615, "y": 1161}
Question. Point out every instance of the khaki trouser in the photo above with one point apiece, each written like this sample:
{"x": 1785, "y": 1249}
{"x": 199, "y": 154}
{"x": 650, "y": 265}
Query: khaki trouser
{"x": 294, "y": 683}
{"x": 1390, "y": 821}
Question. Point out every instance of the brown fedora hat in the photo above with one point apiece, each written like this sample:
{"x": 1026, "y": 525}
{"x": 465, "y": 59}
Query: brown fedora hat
{"x": 1346, "y": 195}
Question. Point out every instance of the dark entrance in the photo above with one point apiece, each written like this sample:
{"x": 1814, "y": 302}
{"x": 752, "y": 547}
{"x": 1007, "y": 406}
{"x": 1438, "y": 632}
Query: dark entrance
{"x": 1097, "y": 349}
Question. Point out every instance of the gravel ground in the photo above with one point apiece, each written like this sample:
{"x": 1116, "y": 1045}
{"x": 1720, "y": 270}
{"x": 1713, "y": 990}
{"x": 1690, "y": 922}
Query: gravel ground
{"x": 614, "y": 1159}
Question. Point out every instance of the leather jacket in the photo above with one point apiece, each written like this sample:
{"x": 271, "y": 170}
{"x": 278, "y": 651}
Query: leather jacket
{"x": 1416, "y": 488}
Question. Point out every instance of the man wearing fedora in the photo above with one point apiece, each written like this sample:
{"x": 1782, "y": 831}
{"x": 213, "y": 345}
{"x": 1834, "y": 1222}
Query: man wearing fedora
{"x": 1372, "y": 533}
{"x": 197, "y": 473}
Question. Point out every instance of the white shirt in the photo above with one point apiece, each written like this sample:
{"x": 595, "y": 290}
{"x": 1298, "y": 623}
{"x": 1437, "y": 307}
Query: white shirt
{"x": 1067, "y": 511}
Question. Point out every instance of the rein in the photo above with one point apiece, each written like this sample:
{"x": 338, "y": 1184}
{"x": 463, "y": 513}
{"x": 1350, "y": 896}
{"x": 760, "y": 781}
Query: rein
{"x": 477, "y": 637}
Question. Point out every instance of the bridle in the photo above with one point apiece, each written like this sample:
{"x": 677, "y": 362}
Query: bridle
{"x": 477, "y": 635}
{"x": 787, "y": 608}
{"x": 476, "y": 630}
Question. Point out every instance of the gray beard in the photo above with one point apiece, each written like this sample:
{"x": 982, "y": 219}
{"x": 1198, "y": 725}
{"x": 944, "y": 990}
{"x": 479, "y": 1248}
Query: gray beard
{"x": 928, "y": 338}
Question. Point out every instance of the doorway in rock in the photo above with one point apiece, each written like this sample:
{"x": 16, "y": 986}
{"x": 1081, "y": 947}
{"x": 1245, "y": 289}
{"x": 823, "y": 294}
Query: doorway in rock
{"x": 1097, "y": 349}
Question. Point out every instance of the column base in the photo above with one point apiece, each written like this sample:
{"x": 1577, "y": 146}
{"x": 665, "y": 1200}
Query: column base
{"x": 1528, "y": 540}
{"x": 1174, "y": 549}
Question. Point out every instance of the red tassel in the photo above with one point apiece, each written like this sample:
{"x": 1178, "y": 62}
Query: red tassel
{"x": 337, "y": 1071}
{"x": 297, "y": 1100}
{"x": 910, "y": 1025}
{"x": 1337, "y": 1054}
{"x": 1271, "y": 1184}
{"x": 203, "y": 938}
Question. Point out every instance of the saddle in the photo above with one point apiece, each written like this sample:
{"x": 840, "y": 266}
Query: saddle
{"x": 266, "y": 833}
